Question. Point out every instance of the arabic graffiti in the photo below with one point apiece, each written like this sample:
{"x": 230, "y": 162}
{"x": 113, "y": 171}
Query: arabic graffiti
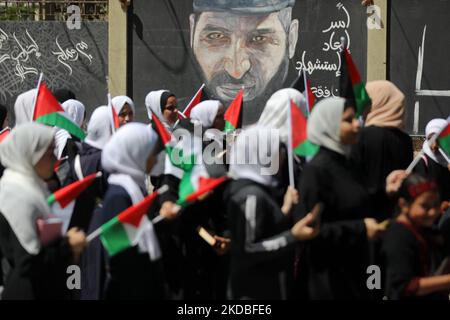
{"x": 68, "y": 58}
{"x": 328, "y": 60}
{"x": 71, "y": 55}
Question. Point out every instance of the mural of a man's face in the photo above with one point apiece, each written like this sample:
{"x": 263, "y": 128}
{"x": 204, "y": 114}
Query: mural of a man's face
{"x": 235, "y": 50}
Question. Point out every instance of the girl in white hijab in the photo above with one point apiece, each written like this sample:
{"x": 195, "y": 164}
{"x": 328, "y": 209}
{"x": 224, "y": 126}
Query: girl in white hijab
{"x": 210, "y": 115}
{"x": 76, "y": 110}
{"x": 324, "y": 126}
{"x": 88, "y": 161}
{"x": 99, "y": 128}
{"x": 128, "y": 156}
{"x": 433, "y": 165}
{"x": 347, "y": 223}
{"x": 207, "y": 112}
{"x": 163, "y": 104}
{"x": 277, "y": 108}
{"x": 260, "y": 229}
{"x": 24, "y": 107}
{"x": 124, "y": 108}
{"x": 38, "y": 269}
{"x": 434, "y": 127}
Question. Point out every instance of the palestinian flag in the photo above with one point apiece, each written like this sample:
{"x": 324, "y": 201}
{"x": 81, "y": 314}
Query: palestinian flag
{"x": 48, "y": 111}
{"x": 351, "y": 85}
{"x": 233, "y": 115}
{"x": 195, "y": 184}
{"x": 200, "y": 96}
{"x": 4, "y": 133}
{"x": 176, "y": 155}
{"x": 444, "y": 138}
{"x": 301, "y": 146}
{"x": 66, "y": 195}
{"x": 123, "y": 231}
{"x": 302, "y": 85}
{"x": 114, "y": 116}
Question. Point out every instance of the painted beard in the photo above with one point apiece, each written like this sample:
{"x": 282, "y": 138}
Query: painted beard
{"x": 223, "y": 87}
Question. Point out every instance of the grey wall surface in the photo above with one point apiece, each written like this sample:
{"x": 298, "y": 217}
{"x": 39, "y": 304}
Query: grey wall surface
{"x": 419, "y": 63}
{"x": 73, "y": 59}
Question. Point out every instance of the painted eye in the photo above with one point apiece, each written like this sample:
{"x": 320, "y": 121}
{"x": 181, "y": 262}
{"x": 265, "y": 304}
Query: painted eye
{"x": 215, "y": 36}
{"x": 259, "y": 39}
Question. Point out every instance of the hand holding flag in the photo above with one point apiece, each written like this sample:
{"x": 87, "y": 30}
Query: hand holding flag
{"x": 124, "y": 230}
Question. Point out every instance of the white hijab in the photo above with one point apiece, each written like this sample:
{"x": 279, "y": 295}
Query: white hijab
{"x": 126, "y": 153}
{"x": 153, "y": 105}
{"x": 75, "y": 109}
{"x": 434, "y": 127}
{"x": 205, "y": 113}
{"x": 125, "y": 157}
{"x": 61, "y": 137}
{"x": 119, "y": 102}
{"x": 22, "y": 193}
{"x": 251, "y": 144}
{"x": 324, "y": 125}
{"x": 276, "y": 111}
{"x": 24, "y": 107}
{"x": 99, "y": 129}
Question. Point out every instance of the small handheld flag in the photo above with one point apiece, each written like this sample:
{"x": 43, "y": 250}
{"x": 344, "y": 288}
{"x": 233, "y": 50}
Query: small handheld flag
{"x": 302, "y": 85}
{"x": 233, "y": 115}
{"x": 444, "y": 138}
{"x": 200, "y": 96}
{"x": 184, "y": 162}
{"x": 48, "y": 111}
{"x": 66, "y": 195}
{"x": 194, "y": 186}
{"x": 351, "y": 86}
{"x": 123, "y": 231}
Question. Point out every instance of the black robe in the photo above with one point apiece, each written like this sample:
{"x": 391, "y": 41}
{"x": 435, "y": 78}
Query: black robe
{"x": 333, "y": 265}
{"x": 132, "y": 276}
{"x": 261, "y": 243}
{"x": 378, "y": 152}
{"x": 191, "y": 265}
{"x": 87, "y": 216}
{"x": 205, "y": 274}
{"x": 41, "y": 276}
{"x": 437, "y": 173}
{"x": 90, "y": 162}
{"x": 409, "y": 255}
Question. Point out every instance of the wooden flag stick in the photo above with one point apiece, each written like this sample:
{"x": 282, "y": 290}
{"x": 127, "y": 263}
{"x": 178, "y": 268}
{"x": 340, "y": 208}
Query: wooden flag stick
{"x": 415, "y": 162}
